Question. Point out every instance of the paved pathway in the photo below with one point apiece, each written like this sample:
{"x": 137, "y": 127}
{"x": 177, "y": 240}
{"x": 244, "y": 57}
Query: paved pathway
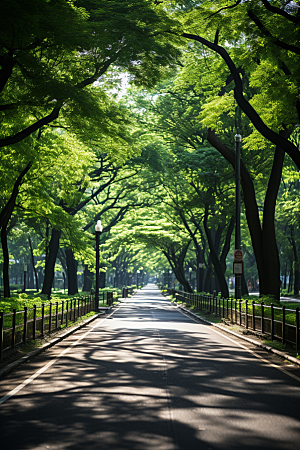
{"x": 149, "y": 377}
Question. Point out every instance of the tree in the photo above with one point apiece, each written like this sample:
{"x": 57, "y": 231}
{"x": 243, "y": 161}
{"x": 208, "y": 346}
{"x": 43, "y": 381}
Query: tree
{"x": 47, "y": 69}
{"x": 268, "y": 24}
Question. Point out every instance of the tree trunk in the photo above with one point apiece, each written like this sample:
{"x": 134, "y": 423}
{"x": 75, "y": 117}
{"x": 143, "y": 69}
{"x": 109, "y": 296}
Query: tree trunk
{"x": 33, "y": 265}
{"x": 50, "y": 262}
{"x": 208, "y": 274}
{"x": 251, "y": 208}
{"x": 5, "y": 262}
{"x": 263, "y": 239}
{"x": 102, "y": 279}
{"x": 285, "y": 276}
{"x": 176, "y": 262}
{"x": 88, "y": 277}
{"x": 295, "y": 263}
{"x": 71, "y": 272}
{"x": 291, "y": 277}
{"x": 215, "y": 260}
{"x": 5, "y": 216}
{"x": 270, "y": 249}
{"x": 30, "y": 282}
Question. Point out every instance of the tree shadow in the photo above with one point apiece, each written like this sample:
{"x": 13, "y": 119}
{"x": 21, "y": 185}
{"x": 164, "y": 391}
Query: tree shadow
{"x": 157, "y": 381}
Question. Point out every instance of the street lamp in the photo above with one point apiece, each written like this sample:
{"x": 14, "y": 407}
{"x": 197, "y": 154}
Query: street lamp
{"x": 169, "y": 281}
{"x": 137, "y": 279}
{"x": 238, "y": 141}
{"x": 98, "y": 230}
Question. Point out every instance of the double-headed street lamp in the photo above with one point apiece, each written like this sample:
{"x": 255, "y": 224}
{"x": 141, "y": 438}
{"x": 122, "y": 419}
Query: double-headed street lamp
{"x": 98, "y": 230}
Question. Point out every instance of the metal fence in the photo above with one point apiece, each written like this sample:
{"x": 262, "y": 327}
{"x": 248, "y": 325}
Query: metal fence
{"x": 273, "y": 322}
{"x": 32, "y": 323}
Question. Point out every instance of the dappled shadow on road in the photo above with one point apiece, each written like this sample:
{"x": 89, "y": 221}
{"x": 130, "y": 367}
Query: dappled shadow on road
{"x": 157, "y": 381}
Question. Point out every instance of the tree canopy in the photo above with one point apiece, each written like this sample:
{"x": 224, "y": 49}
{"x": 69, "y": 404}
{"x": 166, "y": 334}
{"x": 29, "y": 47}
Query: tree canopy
{"x": 126, "y": 112}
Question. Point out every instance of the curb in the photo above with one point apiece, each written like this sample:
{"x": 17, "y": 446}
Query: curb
{"x": 251, "y": 341}
{"x": 44, "y": 347}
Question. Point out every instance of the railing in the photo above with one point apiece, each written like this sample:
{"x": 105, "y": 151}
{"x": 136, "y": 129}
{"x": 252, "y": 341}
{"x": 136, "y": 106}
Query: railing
{"x": 276, "y": 323}
{"x": 32, "y": 323}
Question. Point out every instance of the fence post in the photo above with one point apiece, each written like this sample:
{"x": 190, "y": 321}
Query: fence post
{"x": 283, "y": 324}
{"x": 223, "y": 308}
{"x": 297, "y": 330}
{"x": 25, "y": 325}
{"x": 14, "y": 329}
{"x": 246, "y": 314}
{"x": 50, "y": 317}
{"x": 56, "y": 320}
{"x": 62, "y": 312}
{"x": 240, "y": 311}
{"x": 67, "y": 312}
{"x": 253, "y": 315}
{"x": 34, "y": 322}
{"x": 1, "y": 334}
{"x": 43, "y": 318}
{"x": 272, "y": 321}
{"x": 262, "y": 318}
{"x": 231, "y": 311}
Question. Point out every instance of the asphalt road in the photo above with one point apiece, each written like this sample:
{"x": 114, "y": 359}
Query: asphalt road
{"x": 149, "y": 377}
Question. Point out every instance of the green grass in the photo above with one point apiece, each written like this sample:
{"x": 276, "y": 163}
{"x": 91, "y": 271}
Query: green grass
{"x": 217, "y": 319}
{"x": 283, "y": 348}
{"x": 31, "y": 344}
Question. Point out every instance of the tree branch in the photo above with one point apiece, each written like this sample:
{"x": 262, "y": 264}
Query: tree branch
{"x": 266, "y": 32}
{"x": 281, "y": 12}
{"x": 250, "y": 112}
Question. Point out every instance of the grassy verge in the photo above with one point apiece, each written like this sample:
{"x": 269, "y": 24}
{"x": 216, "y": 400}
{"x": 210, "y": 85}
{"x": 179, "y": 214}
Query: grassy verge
{"x": 21, "y": 349}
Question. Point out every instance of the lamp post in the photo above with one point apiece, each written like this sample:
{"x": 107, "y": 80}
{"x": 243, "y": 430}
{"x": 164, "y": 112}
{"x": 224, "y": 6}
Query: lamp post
{"x": 25, "y": 277}
{"x": 98, "y": 230}
{"x": 169, "y": 281}
{"x": 137, "y": 279}
{"x": 238, "y": 141}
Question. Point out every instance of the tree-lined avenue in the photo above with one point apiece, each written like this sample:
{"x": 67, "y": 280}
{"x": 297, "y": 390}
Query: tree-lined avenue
{"x": 147, "y": 377}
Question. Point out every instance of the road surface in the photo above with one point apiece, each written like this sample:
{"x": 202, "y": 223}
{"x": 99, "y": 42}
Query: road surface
{"x": 149, "y": 377}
